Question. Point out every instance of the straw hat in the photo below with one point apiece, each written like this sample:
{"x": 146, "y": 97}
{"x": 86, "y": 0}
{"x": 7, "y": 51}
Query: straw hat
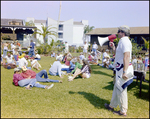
{"x": 24, "y": 68}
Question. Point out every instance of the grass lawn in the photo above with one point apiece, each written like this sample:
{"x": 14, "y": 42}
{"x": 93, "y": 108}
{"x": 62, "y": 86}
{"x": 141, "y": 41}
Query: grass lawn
{"x": 82, "y": 98}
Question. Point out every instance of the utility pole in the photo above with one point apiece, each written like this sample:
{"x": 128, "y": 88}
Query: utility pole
{"x": 58, "y": 19}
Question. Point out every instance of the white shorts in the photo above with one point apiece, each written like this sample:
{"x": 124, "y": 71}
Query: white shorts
{"x": 87, "y": 75}
{"x": 85, "y": 50}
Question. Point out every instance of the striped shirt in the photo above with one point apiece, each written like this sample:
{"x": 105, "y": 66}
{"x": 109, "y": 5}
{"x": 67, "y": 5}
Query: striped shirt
{"x": 85, "y": 69}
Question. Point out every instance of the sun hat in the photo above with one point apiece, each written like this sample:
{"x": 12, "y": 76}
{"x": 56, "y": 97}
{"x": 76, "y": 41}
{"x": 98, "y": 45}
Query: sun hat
{"x": 74, "y": 60}
{"x": 16, "y": 69}
{"x": 24, "y": 68}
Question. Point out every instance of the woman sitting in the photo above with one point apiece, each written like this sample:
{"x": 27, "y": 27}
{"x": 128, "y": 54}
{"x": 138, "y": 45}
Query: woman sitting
{"x": 71, "y": 67}
{"x": 35, "y": 64}
{"x": 94, "y": 60}
{"x": 84, "y": 72}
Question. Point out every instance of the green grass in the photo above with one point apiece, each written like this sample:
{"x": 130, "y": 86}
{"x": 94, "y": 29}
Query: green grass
{"x": 82, "y": 98}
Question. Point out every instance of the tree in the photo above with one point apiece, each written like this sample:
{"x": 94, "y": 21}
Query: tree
{"x": 87, "y": 29}
{"x": 116, "y": 40}
{"x": 146, "y": 44}
{"x": 46, "y": 30}
{"x": 30, "y": 23}
{"x": 135, "y": 48}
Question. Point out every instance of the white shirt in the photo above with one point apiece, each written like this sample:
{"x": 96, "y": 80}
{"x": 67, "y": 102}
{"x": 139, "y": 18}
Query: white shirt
{"x": 124, "y": 45}
{"x": 5, "y": 48}
{"x": 22, "y": 62}
{"x": 105, "y": 55}
{"x": 33, "y": 61}
{"x": 66, "y": 46}
{"x": 85, "y": 46}
{"x": 57, "y": 57}
{"x": 9, "y": 59}
{"x": 134, "y": 61}
{"x": 95, "y": 46}
{"x": 38, "y": 56}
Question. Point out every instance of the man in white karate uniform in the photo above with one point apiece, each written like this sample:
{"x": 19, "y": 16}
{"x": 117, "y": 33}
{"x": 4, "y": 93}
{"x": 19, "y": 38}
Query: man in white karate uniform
{"x": 123, "y": 67}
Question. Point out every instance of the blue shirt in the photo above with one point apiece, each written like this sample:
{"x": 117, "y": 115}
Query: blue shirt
{"x": 72, "y": 66}
{"x": 32, "y": 45}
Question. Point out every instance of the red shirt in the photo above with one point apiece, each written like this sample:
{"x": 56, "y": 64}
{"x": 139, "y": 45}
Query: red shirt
{"x": 67, "y": 63}
{"x": 16, "y": 78}
{"x": 29, "y": 73}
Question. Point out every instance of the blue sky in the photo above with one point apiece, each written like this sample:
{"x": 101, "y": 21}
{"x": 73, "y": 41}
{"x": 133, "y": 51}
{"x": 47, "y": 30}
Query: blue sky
{"x": 100, "y": 14}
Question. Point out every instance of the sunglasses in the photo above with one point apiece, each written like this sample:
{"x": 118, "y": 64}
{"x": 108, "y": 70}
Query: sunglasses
{"x": 120, "y": 31}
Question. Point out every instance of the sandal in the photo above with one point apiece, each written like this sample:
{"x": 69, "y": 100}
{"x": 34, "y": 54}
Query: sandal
{"x": 118, "y": 113}
{"x": 109, "y": 108}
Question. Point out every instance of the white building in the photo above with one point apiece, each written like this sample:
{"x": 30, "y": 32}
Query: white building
{"x": 70, "y": 31}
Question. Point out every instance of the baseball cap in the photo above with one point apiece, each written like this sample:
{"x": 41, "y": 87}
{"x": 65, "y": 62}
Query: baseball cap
{"x": 107, "y": 50}
{"x": 24, "y": 68}
{"x": 124, "y": 28}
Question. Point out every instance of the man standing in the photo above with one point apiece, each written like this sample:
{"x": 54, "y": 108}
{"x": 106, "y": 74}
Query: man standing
{"x": 94, "y": 48}
{"x": 123, "y": 67}
{"x": 66, "y": 47}
{"x": 31, "y": 51}
{"x": 85, "y": 49}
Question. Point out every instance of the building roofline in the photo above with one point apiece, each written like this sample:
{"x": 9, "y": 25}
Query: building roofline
{"x": 18, "y": 26}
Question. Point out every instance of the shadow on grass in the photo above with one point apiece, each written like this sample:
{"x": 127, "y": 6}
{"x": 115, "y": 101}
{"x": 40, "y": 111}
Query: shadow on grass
{"x": 144, "y": 95}
{"x": 102, "y": 73}
{"x": 110, "y": 86}
{"x": 93, "y": 99}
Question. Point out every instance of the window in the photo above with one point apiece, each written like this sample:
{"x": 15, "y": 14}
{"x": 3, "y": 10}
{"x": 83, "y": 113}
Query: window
{"x": 60, "y": 35}
{"x": 60, "y": 28}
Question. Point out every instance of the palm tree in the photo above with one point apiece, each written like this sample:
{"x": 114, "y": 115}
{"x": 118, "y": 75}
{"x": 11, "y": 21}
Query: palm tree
{"x": 30, "y": 23}
{"x": 87, "y": 29}
{"x": 146, "y": 43}
{"x": 46, "y": 30}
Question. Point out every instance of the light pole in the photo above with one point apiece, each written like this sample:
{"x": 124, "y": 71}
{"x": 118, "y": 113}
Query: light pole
{"x": 58, "y": 20}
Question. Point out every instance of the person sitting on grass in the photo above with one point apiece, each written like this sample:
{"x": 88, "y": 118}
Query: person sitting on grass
{"x": 53, "y": 54}
{"x": 67, "y": 63}
{"x": 37, "y": 56}
{"x": 27, "y": 72}
{"x": 90, "y": 57}
{"x": 35, "y": 64}
{"x": 10, "y": 62}
{"x": 55, "y": 69}
{"x": 29, "y": 82}
{"x": 106, "y": 61}
{"x": 66, "y": 55}
{"x": 77, "y": 65}
{"x": 94, "y": 60}
{"x": 84, "y": 72}
{"x": 23, "y": 62}
{"x": 71, "y": 67}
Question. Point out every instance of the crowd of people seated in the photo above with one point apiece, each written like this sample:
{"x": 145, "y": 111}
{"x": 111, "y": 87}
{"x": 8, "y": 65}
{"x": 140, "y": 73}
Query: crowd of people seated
{"x": 73, "y": 66}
